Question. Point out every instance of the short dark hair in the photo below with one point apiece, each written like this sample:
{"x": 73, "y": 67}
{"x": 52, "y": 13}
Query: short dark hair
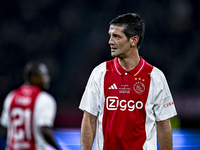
{"x": 133, "y": 25}
{"x": 32, "y": 68}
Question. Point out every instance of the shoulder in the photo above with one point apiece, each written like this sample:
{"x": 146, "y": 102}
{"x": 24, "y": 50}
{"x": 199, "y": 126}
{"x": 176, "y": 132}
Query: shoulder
{"x": 97, "y": 75}
{"x": 100, "y": 68}
{"x": 45, "y": 95}
{"x": 98, "y": 71}
{"x": 158, "y": 77}
{"x": 157, "y": 73}
{"x": 45, "y": 98}
{"x": 8, "y": 99}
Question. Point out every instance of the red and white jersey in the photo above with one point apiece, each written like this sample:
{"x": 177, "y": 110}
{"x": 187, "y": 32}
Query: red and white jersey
{"x": 127, "y": 104}
{"x": 25, "y": 110}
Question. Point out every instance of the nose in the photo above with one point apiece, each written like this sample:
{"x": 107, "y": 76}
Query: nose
{"x": 110, "y": 41}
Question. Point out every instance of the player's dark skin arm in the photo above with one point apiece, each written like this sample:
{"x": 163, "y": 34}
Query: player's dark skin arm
{"x": 164, "y": 135}
{"x": 48, "y": 136}
{"x": 3, "y": 131}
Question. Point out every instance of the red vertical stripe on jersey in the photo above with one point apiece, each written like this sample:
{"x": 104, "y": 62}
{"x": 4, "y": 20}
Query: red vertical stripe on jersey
{"x": 21, "y": 118}
{"x": 124, "y": 109}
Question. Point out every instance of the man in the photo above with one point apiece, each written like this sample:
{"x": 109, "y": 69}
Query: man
{"x": 29, "y": 112}
{"x": 127, "y": 103}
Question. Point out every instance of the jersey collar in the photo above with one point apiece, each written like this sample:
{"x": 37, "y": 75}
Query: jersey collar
{"x": 134, "y": 71}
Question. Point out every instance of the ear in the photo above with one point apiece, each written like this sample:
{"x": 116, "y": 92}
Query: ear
{"x": 134, "y": 40}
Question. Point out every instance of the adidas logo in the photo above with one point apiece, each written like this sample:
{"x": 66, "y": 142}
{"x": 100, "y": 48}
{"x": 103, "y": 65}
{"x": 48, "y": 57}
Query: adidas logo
{"x": 113, "y": 86}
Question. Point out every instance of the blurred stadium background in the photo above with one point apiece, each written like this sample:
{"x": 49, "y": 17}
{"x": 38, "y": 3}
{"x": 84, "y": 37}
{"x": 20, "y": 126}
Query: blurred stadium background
{"x": 71, "y": 37}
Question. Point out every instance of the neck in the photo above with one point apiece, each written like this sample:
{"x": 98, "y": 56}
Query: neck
{"x": 129, "y": 63}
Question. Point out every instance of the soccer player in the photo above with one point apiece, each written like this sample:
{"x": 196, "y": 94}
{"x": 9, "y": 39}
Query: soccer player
{"x": 127, "y": 103}
{"x": 29, "y": 112}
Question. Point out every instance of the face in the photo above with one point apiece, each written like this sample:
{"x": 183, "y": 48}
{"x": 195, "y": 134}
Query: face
{"x": 119, "y": 44}
{"x": 43, "y": 78}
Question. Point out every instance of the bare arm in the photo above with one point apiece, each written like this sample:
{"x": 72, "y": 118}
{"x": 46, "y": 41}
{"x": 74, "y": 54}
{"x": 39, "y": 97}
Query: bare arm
{"x": 3, "y": 132}
{"x": 164, "y": 135}
{"x": 48, "y": 136}
{"x": 88, "y": 131}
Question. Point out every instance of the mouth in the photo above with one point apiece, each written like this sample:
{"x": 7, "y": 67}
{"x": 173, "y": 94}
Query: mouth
{"x": 113, "y": 48}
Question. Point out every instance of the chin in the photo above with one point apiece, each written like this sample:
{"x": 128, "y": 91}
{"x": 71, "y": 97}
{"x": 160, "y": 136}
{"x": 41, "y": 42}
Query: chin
{"x": 46, "y": 87}
{"x": 113, "y": 54}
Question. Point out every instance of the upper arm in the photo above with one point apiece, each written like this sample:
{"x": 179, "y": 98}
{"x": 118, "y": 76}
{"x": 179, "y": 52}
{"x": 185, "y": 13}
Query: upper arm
{"x": 164, "y": 135}
{"x": 89, "y": 119}
{"x": 89, "y": 122}
{"x": 164, "y": 130}
{"x": 3, "y": 131}
{"x": 88, "y": 130}
{"x": 45, "y": 130}
{"x": 163, "y": 125}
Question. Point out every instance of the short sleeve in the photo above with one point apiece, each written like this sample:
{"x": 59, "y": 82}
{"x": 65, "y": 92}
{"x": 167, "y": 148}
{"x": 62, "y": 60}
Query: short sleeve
{"x": 164, "y": 107}
{"x": 45, "y": 110}
{"x": 5, "y": 112}
{"x": 90, "y": 101}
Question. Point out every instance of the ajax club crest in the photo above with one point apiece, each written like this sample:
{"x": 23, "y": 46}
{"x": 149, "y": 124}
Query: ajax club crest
{"x": 139, "y": 87}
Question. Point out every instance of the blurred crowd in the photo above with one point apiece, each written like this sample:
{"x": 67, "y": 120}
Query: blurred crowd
{"x": 71, "y": 37}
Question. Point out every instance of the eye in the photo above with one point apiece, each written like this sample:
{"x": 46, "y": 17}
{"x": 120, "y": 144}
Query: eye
{"x": 116, "y": 36}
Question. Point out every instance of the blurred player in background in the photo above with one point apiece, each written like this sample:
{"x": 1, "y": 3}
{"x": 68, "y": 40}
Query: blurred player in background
{"x": 127, "y": 103}
{"x": 29, "y": 112}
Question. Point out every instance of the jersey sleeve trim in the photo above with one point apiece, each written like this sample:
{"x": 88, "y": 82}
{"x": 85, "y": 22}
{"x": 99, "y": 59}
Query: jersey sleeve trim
{"x": 165, "y": 117}
{"x": 85, "y": 108}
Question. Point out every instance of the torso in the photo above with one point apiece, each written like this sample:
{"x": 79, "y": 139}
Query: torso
{"x": 127, "y": 105}
{"x": 21, "y": 111}
{"x": 124, "y": 109}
